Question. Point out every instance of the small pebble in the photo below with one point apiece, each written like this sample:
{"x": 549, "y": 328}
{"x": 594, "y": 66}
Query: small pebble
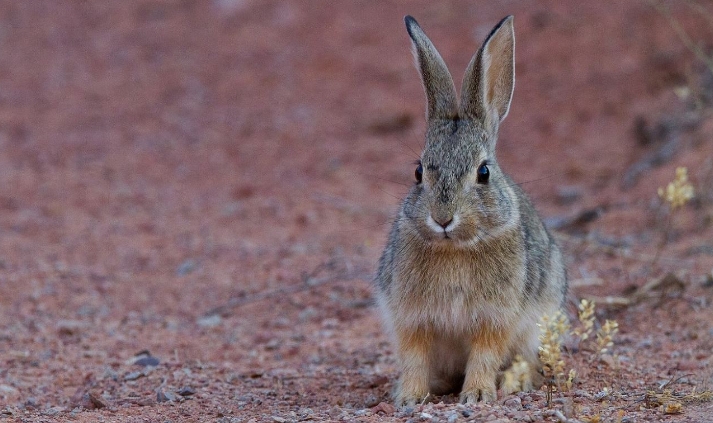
{"x": 133, "y": 375}
{"x": 514, "y": 403}
{"x": 164, "y": 396}
{"x": 273, "y": 344}
{"x": 147, "y": 361}
{"x": 186, "y": 267}
{"x": 186, "y": 391}
{"x": 209, "y": 321}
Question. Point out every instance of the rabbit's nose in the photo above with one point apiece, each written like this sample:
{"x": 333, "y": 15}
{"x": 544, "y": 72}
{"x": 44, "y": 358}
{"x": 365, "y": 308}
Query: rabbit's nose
{"x": 444, "y": 222}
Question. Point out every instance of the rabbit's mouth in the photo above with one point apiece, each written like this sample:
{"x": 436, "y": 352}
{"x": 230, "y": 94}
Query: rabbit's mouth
{"x": 446, "y": 231}
{"x": 443, "y": 226}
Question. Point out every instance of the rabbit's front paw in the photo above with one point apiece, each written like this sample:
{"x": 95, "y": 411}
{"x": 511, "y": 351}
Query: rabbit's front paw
{"x": 483, "y": 394}
{"x": 404, "y": 399}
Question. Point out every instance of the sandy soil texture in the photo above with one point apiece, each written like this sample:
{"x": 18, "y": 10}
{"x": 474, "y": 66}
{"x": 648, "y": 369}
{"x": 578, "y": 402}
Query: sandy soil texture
{"x": 194, "y": 195}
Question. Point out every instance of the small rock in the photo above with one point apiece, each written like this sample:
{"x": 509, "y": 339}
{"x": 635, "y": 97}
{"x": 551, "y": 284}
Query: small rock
{"x": 273, "y": 344}
{"x": 31, "y": 402}
{"x": 558, "y": 415}
{"x": 147, "y": 361}
{"x": 602, "y": 394}
{"x": 186, "y": 391}
{"x": 142, "y": 358}
{"x": 278, "y": 419}
{"x": 452, "y": 417}
{"x": 88, "y": 401}
{"x": 371, "y": 401}
{"x": 186, "y": 267}
{"x": 384, "y": 407}
{"x": 426, "y": 416}
{"x": 305, "y": 413}
{"x": 513, "y": 403}
{"x": 163, "y": 396}
{"x": 133, "y": 375}
{"x": 210, "y": 321}
{"x": 53, "y": 411}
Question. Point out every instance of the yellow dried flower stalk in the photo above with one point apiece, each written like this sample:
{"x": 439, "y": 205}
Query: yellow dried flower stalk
{"x": 517, "y": 377}
{"x": 570, "y": 379}
{"x": 552, "y": 329}
{"x": 678, "y": 192}
{"x": 605, "y": 336}
{"x": 586, "y": 319}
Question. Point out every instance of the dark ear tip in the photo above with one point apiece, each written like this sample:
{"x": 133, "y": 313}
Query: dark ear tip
{"x": 410, "y": 22}
{"x": 507, "y": 19}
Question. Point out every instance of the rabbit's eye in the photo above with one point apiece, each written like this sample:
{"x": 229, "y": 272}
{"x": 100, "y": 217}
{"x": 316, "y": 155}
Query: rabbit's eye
{"x": 419, "y": 173}
{"x": 483, "y": 174}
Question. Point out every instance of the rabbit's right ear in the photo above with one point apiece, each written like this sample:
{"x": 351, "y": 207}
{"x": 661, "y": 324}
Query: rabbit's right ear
{"x": 440, "y": 90}
{"x": 490, "y": 78}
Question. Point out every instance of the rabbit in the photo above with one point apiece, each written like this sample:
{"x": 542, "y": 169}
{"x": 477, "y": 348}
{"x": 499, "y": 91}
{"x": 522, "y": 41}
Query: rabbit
{"x": 469, "y": 268}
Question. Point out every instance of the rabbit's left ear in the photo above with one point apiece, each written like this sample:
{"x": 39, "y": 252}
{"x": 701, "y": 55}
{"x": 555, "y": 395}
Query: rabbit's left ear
{"x": 437, "y": 81}
{"x": 490, "y": 78}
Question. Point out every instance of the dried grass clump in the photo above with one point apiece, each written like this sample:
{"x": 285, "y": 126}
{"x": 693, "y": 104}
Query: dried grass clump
{"x": 670, "y": 402}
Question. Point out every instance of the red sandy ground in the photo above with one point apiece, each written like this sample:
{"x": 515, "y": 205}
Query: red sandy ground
{"x": 212, "y": 181}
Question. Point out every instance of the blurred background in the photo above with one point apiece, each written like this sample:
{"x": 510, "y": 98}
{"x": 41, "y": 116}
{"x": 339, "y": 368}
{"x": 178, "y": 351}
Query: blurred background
{"x": 213, "y": 181}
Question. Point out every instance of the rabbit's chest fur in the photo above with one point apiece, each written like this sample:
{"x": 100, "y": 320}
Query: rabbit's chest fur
{"x": 456, "y": 291}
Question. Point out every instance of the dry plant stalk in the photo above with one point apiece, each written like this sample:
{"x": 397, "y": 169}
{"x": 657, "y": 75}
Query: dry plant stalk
{"x": 585, "y": 313}
{"x": 552, "y": 328}
{"x": 570, "y": 379}
{"x": 677, "y": 193}
{"x": 517, "y": 377}
{"x": 605, "y": 336}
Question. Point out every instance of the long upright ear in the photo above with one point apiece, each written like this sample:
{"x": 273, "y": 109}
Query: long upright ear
{"x": 440, "y": 90}
{"x": 490, "y": 78}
